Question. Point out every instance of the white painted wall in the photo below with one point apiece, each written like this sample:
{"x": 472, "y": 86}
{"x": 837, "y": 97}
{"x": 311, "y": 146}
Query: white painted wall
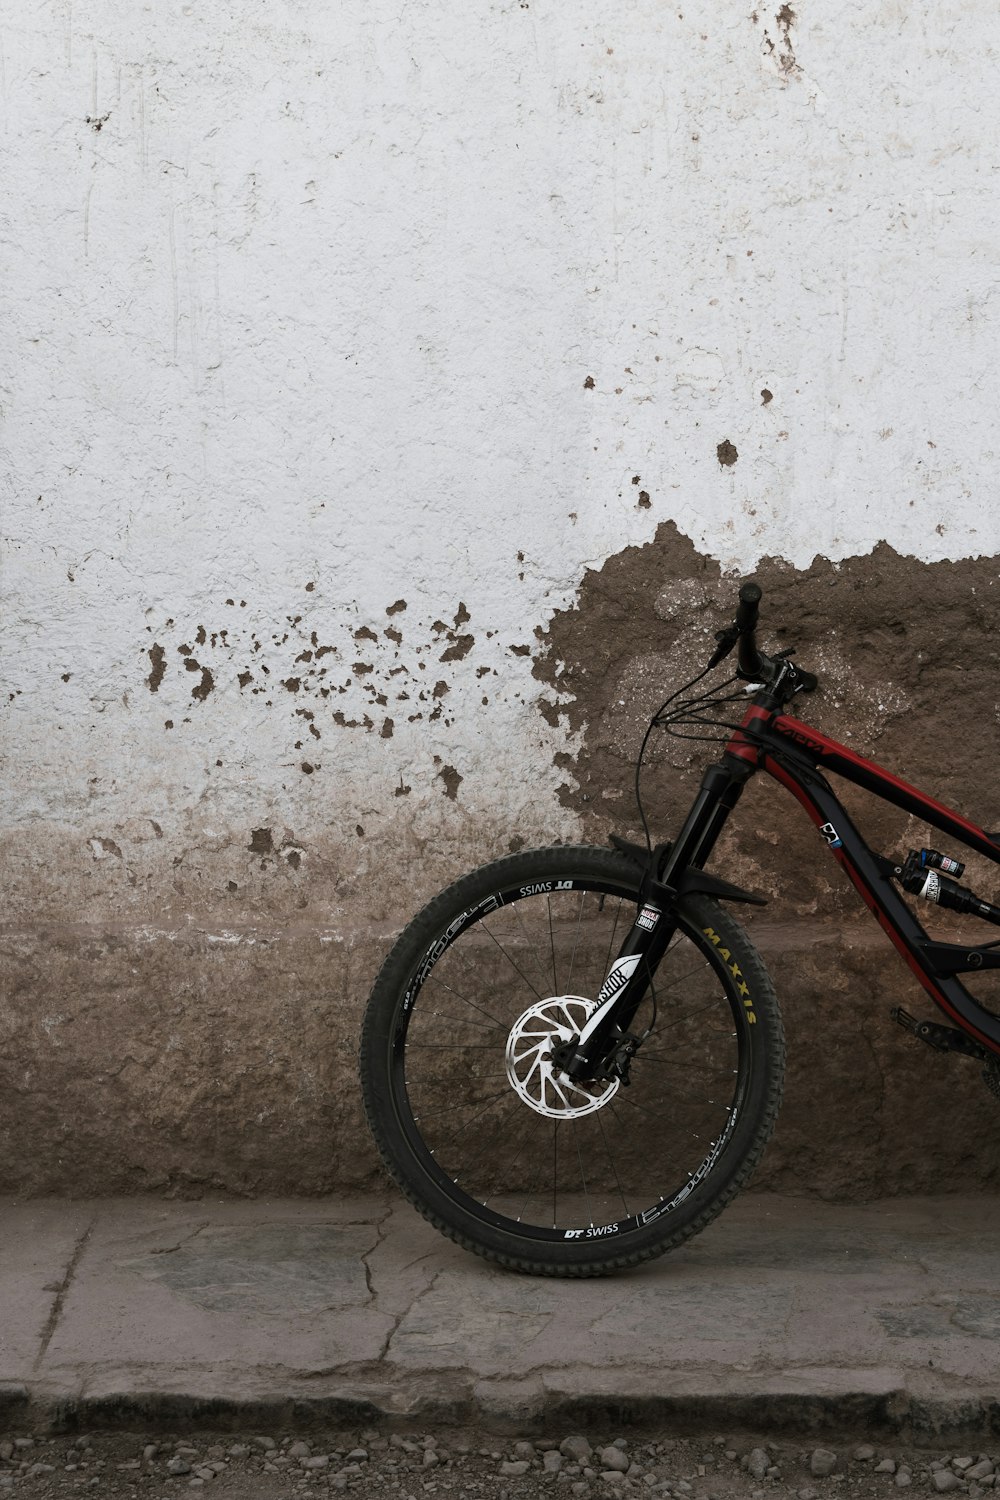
{"x": 317, "y": 305}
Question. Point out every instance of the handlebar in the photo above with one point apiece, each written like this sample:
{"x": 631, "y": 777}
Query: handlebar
{"x": 754, "y": 666}
{"x": 746, "y": 624}
{"x": 746, "y": 611}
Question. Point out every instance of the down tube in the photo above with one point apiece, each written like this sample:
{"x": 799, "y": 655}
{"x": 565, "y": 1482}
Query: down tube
{"x": 890, "y": 911}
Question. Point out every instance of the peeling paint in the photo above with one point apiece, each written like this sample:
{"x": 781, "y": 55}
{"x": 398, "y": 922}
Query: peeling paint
{"x": 157, "y": 657}
{"x": 452, "y": 781}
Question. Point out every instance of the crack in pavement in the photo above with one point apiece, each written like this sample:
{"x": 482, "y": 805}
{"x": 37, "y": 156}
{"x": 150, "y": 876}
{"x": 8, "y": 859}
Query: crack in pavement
{"x": 184, "y": 1240}
{"x": 55, "y": 1312}
{"x": 383, "y": 1353}
{"x": 378, "y": 1224}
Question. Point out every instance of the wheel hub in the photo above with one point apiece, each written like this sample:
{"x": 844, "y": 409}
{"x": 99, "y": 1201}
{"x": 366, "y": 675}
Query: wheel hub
{"x": 530, "y": 1070}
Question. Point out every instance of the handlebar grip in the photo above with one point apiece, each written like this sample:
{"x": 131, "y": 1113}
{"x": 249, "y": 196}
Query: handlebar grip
{"x": 751, "y": 665}
{"x": 746, "y": 613}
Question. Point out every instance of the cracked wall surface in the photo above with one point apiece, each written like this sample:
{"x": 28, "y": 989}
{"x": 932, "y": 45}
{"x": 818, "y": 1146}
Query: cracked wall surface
{"x": 356, "y": 366}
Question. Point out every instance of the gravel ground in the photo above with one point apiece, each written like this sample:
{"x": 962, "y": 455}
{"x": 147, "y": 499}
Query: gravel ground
{"x": 474, "y": 1463}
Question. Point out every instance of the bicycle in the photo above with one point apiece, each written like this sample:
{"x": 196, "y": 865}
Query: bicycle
{"x": 572, "y": 1058}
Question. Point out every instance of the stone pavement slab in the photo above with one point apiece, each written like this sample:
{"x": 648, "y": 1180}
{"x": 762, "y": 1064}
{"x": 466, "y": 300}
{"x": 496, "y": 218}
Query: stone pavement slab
{"x": 38, "y": 1242}
{"x": 784, "y": 1313}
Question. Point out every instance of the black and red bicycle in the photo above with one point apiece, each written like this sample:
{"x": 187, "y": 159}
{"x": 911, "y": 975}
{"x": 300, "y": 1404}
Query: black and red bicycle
{"x": 572, "y": 1058}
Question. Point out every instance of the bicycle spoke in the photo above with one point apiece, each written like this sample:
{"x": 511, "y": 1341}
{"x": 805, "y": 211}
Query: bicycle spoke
{"x": 464, "y": 999}
{"x": 449, "y": 1109}
{"x": 576, "y": 941}
{"x": 583, "y": 1179}
{"x": 464, "y": 1126}
{"x": 555, "y": 1170}
{"x": 530, "y": 943}
{"x": 459, "y": 1021}
{"x": 513, "y": 965}
{"x": 689, "y": 975}
{"x": 611, "y": 1163}
{"x": 611, "y": 939}
{"x": 552, "y": 945}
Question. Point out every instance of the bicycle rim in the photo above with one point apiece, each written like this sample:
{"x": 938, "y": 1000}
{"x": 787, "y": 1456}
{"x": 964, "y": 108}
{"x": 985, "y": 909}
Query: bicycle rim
{"x": 509, "y": 1143}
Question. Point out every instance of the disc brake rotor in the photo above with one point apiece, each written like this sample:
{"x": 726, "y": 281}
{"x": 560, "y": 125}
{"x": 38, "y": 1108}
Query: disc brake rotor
{"x": 529, "y": 1065}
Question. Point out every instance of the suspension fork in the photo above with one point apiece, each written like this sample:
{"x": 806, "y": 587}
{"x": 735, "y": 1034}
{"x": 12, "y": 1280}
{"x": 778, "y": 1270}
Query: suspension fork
{"x": 604, "y": 1043}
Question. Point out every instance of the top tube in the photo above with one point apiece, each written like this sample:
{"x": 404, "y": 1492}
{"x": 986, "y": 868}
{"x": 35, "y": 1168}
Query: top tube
{"x": 765, "y": 730}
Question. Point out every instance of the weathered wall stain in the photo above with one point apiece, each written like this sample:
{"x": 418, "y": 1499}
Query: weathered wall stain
{"x": 779, "y": 47}
{"x": 287, "y": 931}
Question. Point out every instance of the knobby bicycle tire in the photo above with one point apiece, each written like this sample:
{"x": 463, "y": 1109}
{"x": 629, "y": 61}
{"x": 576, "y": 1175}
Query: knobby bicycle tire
{"x": 501, "y": 1153}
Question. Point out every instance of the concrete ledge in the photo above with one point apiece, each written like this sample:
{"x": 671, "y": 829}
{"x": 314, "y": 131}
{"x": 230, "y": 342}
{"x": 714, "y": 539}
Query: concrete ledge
{"x": 289, "y": 1313}
{"x": 820, "y": 1406}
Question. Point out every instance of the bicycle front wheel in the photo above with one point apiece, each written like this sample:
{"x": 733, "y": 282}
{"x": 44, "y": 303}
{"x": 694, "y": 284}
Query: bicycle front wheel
{"x": 501, "y": 1151}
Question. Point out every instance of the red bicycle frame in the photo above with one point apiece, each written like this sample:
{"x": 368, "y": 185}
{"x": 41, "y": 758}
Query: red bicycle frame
{"x": 793, "y": 754}
{"x": 772, "y": 741}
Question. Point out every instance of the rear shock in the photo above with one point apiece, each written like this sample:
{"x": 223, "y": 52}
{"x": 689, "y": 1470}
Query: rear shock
{"x": 919, "y": 875}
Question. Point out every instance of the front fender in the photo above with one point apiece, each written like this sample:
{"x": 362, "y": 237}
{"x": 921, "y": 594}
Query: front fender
{"x": 692, "y": 881}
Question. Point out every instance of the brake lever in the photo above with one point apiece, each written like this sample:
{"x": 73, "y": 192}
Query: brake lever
{"x": 727, "y": 640}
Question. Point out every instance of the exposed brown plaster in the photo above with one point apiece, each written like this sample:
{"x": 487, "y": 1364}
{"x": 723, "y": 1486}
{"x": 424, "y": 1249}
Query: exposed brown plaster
{"x": 452, "y": 780}
{"x": 103, "y": 847}
{"x": 157, "y": 657}
{"x": 463, "y": 644}
{"x": 908, "y": 656}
